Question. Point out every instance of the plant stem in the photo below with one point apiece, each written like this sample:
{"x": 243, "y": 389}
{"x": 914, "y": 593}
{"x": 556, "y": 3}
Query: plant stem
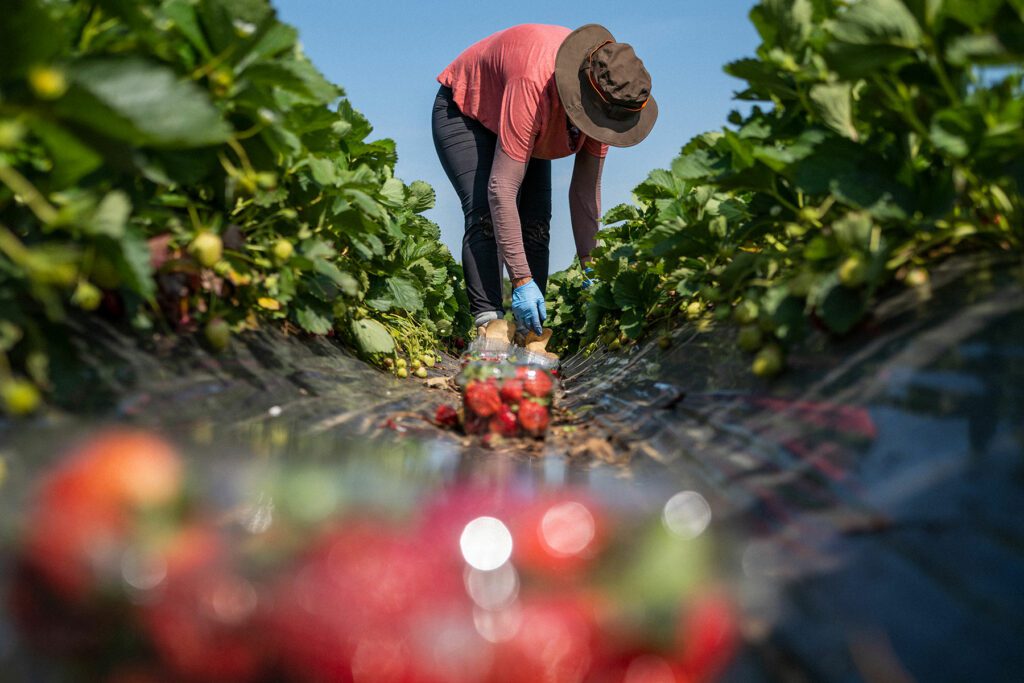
{"x": 21, "y": 187}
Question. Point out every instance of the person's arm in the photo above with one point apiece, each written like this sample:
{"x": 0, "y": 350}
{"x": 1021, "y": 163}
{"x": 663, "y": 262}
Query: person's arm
{"x": 502, "y": 192}
{"x": 585, "y": 202}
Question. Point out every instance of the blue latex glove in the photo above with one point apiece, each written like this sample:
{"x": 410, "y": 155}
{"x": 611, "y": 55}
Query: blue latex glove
{"x": 588, "y": 278}
{"x": 528, "y": 306}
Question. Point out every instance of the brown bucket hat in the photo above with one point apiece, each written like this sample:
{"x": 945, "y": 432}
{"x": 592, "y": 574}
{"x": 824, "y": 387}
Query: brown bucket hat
{"x": 605, "y": 89}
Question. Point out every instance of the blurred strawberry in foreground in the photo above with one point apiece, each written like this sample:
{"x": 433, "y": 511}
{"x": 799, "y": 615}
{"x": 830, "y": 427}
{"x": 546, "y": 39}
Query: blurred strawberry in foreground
{"x": 84, "y": 510}
{"x": 361, "y": 593}
{"x": 480, "y": 584}
{"x": 708, "y": 636}
{"x": 558, "y": 537}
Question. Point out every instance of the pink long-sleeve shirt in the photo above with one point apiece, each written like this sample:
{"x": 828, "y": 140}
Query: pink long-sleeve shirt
{"x": 506, "y": 82}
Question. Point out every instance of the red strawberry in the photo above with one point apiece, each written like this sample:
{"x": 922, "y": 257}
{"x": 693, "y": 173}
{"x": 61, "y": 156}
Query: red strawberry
{"x": 557, "y": 537}
{"x": 504, "y": 422}
{"x": 88, "y": 503}
{"x": 533, "y": 417}
{"x": 446, "y": 416}
{"x": 482, "y": 398}
{"x": 475, "y": 424}
{"x": 707, "y": 636}
{"x": 537, "y": 383}
{"x": 512, "y": 391}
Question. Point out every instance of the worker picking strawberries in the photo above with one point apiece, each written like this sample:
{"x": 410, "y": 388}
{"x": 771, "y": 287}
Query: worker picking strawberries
{"x": 507, "y": 106}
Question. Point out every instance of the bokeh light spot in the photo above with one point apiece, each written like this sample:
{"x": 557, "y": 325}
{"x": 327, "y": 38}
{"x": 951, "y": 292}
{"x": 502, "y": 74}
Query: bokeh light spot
{"x": 494, "y": 589}
{"x": 567, "y": 529}
{"x": 498, "y": 626}
{"x": 687, "y": 514}
{"x": 486, "y": 543}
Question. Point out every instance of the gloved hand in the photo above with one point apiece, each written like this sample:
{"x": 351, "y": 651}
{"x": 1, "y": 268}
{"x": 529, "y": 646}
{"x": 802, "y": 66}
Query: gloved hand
{"x": 588, "y": 278}
{"x": 528, "y": 306}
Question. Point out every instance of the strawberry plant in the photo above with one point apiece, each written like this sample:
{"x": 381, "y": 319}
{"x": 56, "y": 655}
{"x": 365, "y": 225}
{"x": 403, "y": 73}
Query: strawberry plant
{"x": 168, "y": 164}
{"x": 887, "y": 135}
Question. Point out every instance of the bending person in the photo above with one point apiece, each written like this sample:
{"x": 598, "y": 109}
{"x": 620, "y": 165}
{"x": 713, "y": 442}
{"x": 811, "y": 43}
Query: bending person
{"x": 507, "y": 106}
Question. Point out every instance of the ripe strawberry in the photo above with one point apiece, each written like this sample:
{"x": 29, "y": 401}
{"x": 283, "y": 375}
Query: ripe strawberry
{"x": 446, "y": 416}
{"x": 482, "y": 398}
{"x": 554, "y": 642}
{"x": 504, "y": 422}
{"x": 512, "y": 391}
{"x": 707, "y": 636}
{"x": 536, "y": 383}
{"x": 85, "y": 508}
{"x": 533, "y": 417}
{"x": 475, "y": 424}
{"x": 557, "y": 537}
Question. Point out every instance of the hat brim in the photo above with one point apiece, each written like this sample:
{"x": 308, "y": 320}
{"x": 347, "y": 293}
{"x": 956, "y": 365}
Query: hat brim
{"x": 583, "y": 105}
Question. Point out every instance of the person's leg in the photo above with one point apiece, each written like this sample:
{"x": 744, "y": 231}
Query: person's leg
{"x": 535, "y": 217}
{"x": 466, "y": 151}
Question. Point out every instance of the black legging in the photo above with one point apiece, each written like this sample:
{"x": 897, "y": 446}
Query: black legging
{"x": 466, "y": 149}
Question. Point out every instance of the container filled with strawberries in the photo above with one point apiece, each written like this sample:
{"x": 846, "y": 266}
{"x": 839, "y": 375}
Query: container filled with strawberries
{"x": 504, "y": 399}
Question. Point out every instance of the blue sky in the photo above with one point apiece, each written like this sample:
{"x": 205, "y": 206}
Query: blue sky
{"x": 387, "y": 58}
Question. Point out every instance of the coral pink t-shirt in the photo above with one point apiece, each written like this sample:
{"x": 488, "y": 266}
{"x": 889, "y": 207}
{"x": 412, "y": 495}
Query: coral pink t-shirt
{"x": 507, "y": 82}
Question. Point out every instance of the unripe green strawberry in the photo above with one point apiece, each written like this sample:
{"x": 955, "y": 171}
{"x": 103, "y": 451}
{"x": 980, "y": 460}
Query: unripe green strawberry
{"x": 746, "y": 312}
{"x": 207, "y": 248}
{"x": 750, "y": 338}
{"x": 47, "y": 82}
{"x": 664, "y": 342}
{"x": 221, "y": 81}
{"x": 20, "y": 396}
{"x": 218, "y": 334}
{"x": 400, "y": 363}
{"x": 11, "y": 133}
{"x": 401, "y": 373}
{"x": 283, "y": 250}
{"x": 421, "y": 373}
{"x": 768, "y": 361}
{"x": 428, "y": 360}
{"x": 852, "y": 271}
{"x": 694, "y": 309}
{"x": 87, "y": 296}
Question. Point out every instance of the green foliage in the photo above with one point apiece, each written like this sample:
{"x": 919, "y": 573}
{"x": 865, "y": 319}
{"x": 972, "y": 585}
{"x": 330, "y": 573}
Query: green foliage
{"x": 127, "y": 129}
{"x": 888, "y": 142}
